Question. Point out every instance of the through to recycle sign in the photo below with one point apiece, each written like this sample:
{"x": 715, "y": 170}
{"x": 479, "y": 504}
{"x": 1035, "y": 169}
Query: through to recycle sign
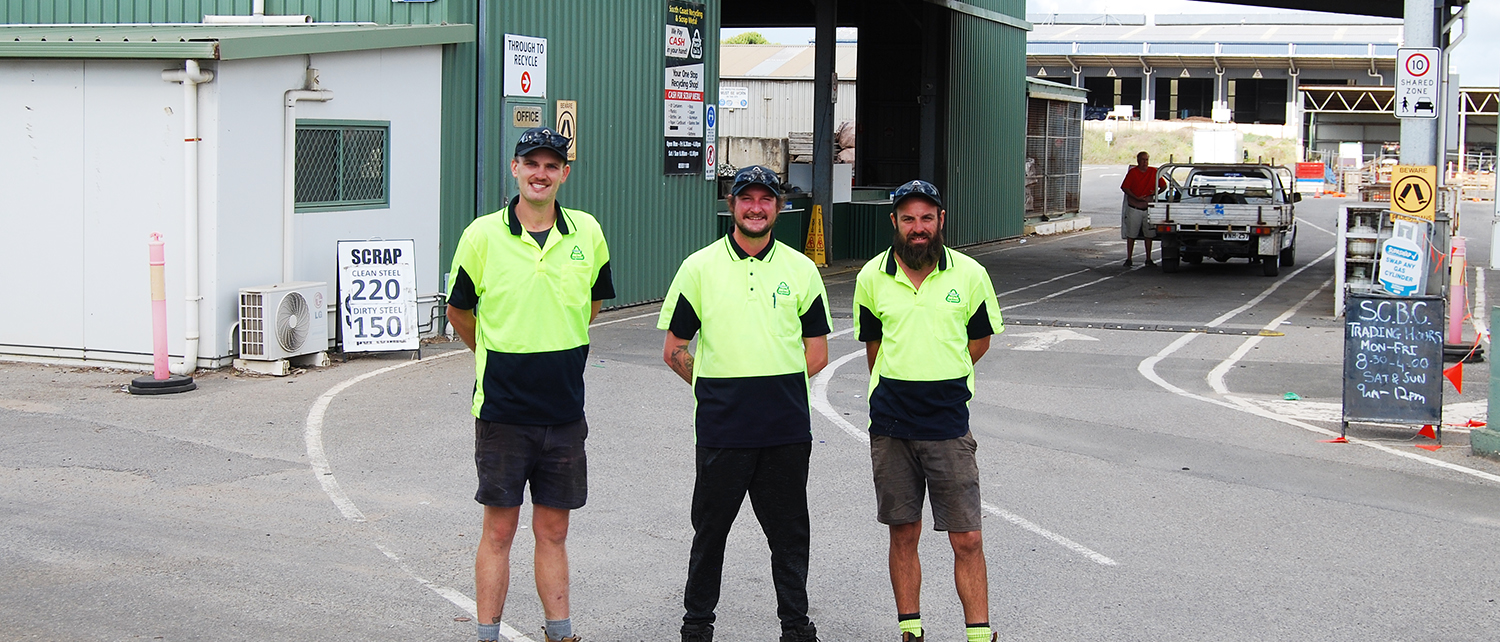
{"x": 1414, "y": 192}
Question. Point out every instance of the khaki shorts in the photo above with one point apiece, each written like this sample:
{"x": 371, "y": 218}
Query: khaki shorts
{"x": 946, "y": 470}
{"x": 1133, "y": 223}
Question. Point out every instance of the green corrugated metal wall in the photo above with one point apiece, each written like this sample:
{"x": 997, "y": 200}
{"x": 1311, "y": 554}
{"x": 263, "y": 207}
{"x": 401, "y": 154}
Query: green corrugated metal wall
{"x": 606, "y": 55}
{"x": 609, "y": 57}
{"x": 986, "y": 128}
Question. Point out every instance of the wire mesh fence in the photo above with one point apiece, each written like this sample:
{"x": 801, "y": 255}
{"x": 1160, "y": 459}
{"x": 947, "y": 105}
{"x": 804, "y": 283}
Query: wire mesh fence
{"x": 1054, "y": 159}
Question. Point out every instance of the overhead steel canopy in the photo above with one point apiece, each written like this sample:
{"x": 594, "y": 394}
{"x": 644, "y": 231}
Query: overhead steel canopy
{"x": 1382, "y": 8}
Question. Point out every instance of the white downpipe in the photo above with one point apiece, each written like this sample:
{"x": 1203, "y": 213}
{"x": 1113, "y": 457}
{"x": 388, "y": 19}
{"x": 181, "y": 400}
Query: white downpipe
{"x": 289, "y": 166}
{"x": 190, "y": 77}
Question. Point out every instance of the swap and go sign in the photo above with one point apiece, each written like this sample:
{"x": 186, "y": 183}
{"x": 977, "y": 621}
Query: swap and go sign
{"x": 378, "y": 295}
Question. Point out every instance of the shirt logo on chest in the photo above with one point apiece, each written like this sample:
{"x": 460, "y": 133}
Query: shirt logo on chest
{"x": 783, "y": 290}
{"x": 577, "y": 254}
{"x": 953, "y": 297}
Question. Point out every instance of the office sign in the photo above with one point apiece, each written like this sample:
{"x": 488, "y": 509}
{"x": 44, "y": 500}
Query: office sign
{"x": 1417, "y": 72}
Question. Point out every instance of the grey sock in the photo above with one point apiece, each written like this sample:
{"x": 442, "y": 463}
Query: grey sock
{"x": 559, "y": 629}
{"x": 489, "y": 632}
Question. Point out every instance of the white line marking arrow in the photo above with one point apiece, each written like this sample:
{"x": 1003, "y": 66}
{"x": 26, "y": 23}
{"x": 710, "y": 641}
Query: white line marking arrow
{"x": 1039, "y": 341}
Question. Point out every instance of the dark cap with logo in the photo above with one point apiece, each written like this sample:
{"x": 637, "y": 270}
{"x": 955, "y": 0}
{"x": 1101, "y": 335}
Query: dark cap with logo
{"x": 542, "y": 138}
{"x": 920, "y": 188}
{"x": 756, "y": 175}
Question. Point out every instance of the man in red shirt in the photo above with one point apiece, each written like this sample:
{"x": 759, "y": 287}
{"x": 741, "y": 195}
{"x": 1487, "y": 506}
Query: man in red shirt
{"x": 1140, "y": 185}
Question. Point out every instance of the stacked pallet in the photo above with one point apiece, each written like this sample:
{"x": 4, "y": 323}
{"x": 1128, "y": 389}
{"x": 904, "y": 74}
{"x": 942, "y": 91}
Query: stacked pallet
{"x": 800, "y": 146}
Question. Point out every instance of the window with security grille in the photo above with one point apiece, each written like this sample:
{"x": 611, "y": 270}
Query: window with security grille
{"x": 342, "y": 165}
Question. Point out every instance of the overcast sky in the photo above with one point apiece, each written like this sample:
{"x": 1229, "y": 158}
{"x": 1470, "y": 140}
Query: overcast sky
{"x": 1477, "y": 58}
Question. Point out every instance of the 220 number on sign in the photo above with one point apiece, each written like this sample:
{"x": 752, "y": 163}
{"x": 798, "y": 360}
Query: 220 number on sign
{"x": 379, "y": 327}
{"x": 391, "y": 288}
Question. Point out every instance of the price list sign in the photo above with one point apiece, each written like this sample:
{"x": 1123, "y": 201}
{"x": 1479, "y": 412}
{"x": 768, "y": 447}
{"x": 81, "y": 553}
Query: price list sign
{"x": 1393, "y": 359}
{"x": 378, "y": 295}
{"x": 686, "y": 82}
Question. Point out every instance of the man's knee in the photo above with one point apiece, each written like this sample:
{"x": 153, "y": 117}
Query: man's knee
{"x": 499, "y": 527}
{"x": 968, "y": 543}
{"x": 906, "y": 536}
{"x": 550, "y": 525}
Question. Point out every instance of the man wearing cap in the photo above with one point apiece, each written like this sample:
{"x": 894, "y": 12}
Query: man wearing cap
{"x": 1140, "y": 185}
{"x": 526, "y": 282}
{"x": 759, "y": 310}
{"x": 926, "y": 314}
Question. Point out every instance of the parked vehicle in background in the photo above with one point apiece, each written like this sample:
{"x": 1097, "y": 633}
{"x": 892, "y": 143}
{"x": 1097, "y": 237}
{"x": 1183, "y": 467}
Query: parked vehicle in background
{"x": 1225, "y": 211}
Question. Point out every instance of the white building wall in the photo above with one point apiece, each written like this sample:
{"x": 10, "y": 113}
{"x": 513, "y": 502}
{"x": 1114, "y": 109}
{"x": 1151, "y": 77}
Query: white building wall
{"x": 91, "y": 164}
{"x": 779, "y": 106}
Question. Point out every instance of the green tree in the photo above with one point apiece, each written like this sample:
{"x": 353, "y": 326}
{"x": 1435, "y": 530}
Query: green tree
{"x": 748, "y": 38}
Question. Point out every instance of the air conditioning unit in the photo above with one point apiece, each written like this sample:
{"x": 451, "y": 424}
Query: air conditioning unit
{"x": 283, "y": 320}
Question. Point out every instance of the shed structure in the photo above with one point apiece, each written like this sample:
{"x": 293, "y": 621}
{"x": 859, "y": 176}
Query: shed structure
{"x": 941, "y": 97}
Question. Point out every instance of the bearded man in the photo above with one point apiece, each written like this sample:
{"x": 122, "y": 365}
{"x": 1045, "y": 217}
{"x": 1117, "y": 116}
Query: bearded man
{"x": 926, "y": 313}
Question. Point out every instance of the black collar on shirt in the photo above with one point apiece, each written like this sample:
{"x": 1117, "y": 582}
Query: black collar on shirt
{"x": 740, "y": 252}
{"x": 515, "y": 223}
{"x": 890, "y": 261}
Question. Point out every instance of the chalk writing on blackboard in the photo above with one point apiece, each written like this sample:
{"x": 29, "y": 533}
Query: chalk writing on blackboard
{"x": 1393, "y": 359}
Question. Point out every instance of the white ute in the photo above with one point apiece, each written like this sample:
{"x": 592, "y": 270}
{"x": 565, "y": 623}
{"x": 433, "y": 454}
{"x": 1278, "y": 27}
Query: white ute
{"x": 1225, "y": 211}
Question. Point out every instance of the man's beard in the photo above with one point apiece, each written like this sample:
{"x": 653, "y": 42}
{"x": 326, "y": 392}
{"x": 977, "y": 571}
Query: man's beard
{"x": 749, "y": 234}
{"x": 918, "y": 257}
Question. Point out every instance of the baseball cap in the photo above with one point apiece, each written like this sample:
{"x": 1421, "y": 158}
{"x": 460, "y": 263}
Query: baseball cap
{"x": 542, "y": 138}
{"x": 756, "y": 175}
{"x": 916, "y": 188}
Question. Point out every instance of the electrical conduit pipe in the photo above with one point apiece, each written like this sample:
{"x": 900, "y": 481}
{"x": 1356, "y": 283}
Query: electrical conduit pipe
{"x": 190, "y": 77}
{"x": 289, "y": 165}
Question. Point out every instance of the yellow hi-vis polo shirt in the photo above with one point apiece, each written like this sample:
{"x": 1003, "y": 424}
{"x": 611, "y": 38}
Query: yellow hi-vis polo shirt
{"x": 750, "y": 369}
{"x": 923, "y": 378}
{"x": 532, "y": 303}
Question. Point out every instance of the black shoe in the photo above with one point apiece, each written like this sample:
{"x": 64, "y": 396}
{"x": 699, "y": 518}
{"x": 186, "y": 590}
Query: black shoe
{"x": 1150, "y": 262}
{"x": 1128, "y": 263}
{"x": 907, "y": 637}
{"x": 808, "y": 633}
{"x": 697, "y": 633}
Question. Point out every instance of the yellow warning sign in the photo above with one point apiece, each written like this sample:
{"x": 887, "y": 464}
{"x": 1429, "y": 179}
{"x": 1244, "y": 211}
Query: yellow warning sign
{"x": 815, "y": 249}
{"x": 1414, "y": 192}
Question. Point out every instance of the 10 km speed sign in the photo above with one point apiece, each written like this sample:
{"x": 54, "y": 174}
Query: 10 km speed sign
{"x": 378, "y": 296}
{"x": 1417, "y": 90}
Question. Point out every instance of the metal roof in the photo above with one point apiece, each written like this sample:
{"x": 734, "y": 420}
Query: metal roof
{"x": 1055, "y": 91}
{"x": 222, "y": 42}
{"x": 781, "y": 62}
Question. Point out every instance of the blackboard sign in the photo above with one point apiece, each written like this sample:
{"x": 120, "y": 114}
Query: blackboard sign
{"x": 1393, "y": 359}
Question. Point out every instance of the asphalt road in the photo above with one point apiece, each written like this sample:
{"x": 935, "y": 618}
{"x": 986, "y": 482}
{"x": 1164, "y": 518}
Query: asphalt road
{"x": 1141, "y": 482}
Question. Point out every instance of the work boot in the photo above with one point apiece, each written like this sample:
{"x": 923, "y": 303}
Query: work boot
{"x": 571, "y": 638}
{"x": 697, "y": 633}
{"x": 807, "y": 633}
{"x": 909, "y": 637}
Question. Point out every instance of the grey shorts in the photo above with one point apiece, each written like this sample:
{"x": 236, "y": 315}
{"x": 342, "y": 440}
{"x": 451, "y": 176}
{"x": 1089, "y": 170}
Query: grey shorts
{"x": 1133, "y": 224}
{"x": 945, "y": 470}
{"x": 549, "y": 458}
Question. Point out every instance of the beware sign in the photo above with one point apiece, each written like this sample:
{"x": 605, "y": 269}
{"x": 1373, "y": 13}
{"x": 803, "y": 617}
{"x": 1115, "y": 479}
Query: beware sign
{"x": 1414, "y": 192}
{"x": 567, "y": 125}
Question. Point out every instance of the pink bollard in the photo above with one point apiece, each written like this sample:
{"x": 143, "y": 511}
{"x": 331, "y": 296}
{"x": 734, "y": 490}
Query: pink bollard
{"x": 162, "y": 381}
{"x": 1458, "y": 300}
{"x": 159, "y": 307}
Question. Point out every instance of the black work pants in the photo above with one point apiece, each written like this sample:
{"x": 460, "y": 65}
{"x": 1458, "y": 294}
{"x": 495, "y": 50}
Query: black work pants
{"x": 776, "y": 480}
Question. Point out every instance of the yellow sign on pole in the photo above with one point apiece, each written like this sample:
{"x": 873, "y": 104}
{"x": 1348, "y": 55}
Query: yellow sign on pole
{"x": 815, "y": 249}
{"x": 1414, "y": 192}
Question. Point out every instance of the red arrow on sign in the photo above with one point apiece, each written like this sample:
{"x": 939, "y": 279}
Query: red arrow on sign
{"x": 526, "y": 82}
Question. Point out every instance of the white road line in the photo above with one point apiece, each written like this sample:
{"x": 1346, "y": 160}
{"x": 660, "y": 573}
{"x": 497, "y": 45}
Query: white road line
{"x": 318, "y": 460}
{"x": 1216, "y": 376}
{"x": 820, "y": 402}
{"x": 1057, "y": 293}
{"x": 1147, "y": 368}
{"x": 1317, "y": 227}
{"x": 1023, "y": 244}
{"x": 458, "y": 599}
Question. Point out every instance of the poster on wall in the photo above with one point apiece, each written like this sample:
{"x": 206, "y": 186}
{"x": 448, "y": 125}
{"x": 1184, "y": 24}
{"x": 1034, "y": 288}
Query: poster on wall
{"x": 686, "y": 81}
{"x": 378, "y": 295}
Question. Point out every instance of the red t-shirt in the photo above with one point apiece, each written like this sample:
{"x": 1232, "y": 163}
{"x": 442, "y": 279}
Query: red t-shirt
{"x": 1138, "y": 181}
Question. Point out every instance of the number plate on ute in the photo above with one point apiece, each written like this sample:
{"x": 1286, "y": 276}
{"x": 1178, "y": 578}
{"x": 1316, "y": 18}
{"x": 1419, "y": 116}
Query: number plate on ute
{"x": 1236, "y": 236}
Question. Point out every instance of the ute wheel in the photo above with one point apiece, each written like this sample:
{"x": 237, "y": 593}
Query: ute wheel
{"x": 1269, "y": 266}
{"x": 1169, "y": 266}
{"x": 1289, "y": 256}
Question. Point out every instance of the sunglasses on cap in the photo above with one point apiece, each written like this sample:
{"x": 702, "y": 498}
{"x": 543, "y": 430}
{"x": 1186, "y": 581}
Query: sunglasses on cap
{"x": 916, "y": 188}
{"x": 541, "y": 138}
{"x": 756, "y": 175}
